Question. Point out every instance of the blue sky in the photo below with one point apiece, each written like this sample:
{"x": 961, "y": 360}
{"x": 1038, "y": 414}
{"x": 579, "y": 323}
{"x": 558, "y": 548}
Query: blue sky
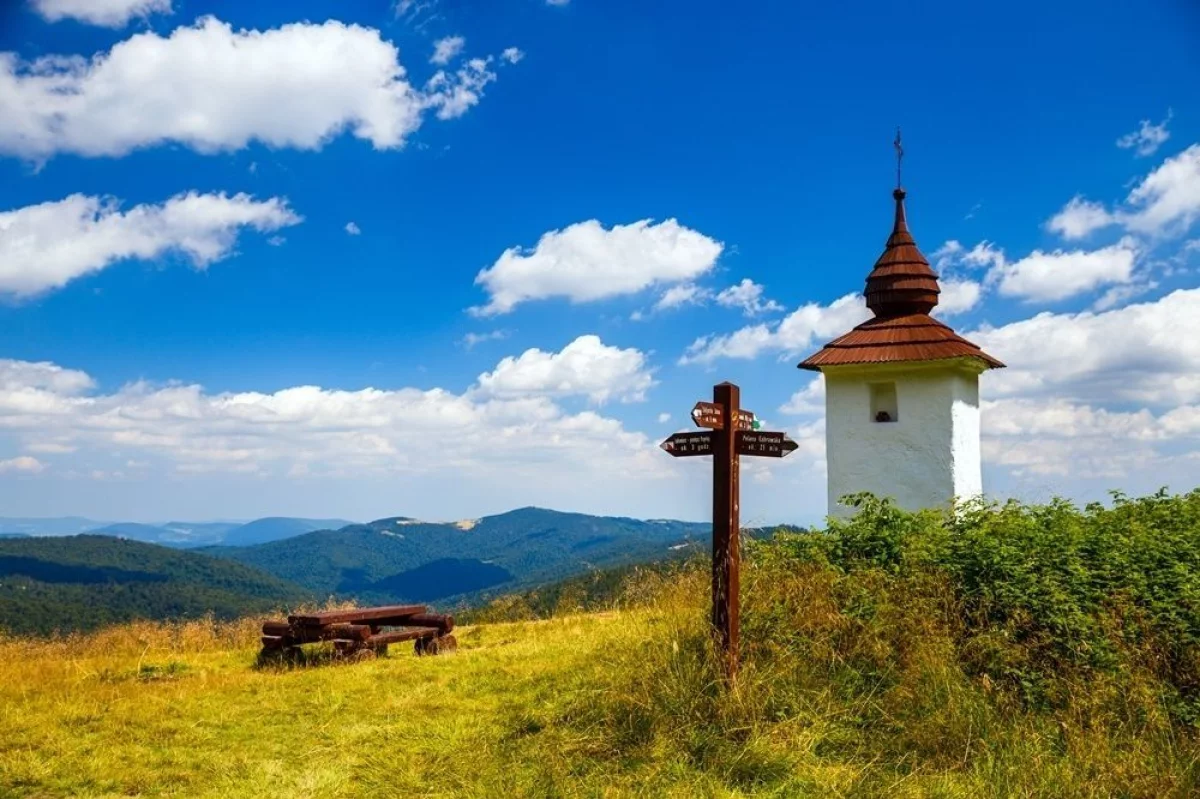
{"x": 190, "y": 330}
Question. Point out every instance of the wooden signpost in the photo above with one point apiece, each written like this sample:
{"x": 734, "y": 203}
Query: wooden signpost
{"x": 732, "y": 431}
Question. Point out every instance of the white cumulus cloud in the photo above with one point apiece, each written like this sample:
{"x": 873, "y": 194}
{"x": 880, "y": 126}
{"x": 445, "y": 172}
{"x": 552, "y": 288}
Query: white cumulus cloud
{"x": 797, "y": 331}
{"x": 1080, "y": 217}
{"x": 586, "y": 261}
{"x": 46, "y": 246}
{"x": 213, "y": 88}
{"x": 504, "y": 432}
{"x": 682, "y": 294}
{"x": 22, "y": 463}
{"x": 585, "y": 367}
{"x": 748, "y": 296}
{"x": 105, "y": 13}
{"x": 1141, "y": 353}
{"x": 1164, "y": 203}
{"x": 958, "y": 296}
{"x": 1051, "y": 276}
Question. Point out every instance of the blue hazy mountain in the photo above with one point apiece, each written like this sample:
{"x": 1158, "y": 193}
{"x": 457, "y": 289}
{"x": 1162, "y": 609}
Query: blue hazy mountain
{"x": 173, "y": 534}
{"x": 275, "y": 528}
{"x": 62, "y": 525}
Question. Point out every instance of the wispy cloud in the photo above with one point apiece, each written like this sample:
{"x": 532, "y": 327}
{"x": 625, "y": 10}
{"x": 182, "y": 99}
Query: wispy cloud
{"x": 447, "y": 49}
{"x": 1147, "y": 138}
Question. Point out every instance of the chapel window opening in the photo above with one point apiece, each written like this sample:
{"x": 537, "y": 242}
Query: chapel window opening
{"x": 884, "y": 407}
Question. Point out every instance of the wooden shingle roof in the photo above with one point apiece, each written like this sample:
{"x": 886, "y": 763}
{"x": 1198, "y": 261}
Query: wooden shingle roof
{"x": 901, "y": 291}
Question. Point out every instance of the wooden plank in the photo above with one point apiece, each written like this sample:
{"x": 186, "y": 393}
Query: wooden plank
{"x": 330, "y": 632}
{"x": 276, "y": 628}
{"x": 396, "y": 636}
{"x": 274, "y": 642}
{"x": 378, "y": 615}
{"x": 352, "y": 632}
{"x": 444, "y": 622}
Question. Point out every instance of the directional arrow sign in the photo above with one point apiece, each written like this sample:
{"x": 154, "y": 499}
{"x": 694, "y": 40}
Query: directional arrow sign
{"x": 682, "y": 445}
{"x": 768, "y": 444}
{"x": 709, "y": 414}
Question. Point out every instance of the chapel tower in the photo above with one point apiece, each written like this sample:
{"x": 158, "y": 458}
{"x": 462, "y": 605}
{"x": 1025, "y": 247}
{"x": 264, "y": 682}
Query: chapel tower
{"x": 902, "y": 391}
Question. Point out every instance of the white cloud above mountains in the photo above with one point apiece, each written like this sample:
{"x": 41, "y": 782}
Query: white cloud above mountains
{"x": 505, "y": 427}
{"x": 105, "y": 13}
{"x": 45, "y": 246}
{"x": 586, "y": 261}
{"x": 215, "y": 89}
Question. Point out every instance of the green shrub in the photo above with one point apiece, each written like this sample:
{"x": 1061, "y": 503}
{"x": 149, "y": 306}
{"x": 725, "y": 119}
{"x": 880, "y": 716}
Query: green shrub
{"x": 1016, "y": 646}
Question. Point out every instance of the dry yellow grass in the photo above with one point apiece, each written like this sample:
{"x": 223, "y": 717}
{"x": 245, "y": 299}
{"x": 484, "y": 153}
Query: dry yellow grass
{"x": 607, "y": 704}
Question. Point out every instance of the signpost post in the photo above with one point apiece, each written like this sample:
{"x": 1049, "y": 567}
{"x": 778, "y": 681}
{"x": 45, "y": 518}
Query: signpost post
{"x": 732, "y": 431}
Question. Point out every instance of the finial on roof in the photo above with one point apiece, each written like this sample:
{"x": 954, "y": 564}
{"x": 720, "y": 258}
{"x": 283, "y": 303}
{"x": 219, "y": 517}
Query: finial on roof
{"x": 899, "y": 157}
{"x": 901, "y": 282}
{"x": 901, "y": 225}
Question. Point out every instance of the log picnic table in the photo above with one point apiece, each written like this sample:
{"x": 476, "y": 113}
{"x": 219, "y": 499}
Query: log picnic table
{"x": 360, "y": 633}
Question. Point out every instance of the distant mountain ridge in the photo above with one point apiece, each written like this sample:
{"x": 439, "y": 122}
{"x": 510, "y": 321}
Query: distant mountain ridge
{"x": 173, "y": 534}
{"x": 403, "y": 559}
{"x": 81, "y": 581}
{"x": 60, "y": 525}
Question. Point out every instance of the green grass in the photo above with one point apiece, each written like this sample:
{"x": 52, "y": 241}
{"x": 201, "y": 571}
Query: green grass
{"x": 1011, "y": 651}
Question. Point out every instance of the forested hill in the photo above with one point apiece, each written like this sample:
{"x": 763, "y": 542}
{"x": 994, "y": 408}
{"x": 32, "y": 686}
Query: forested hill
{"x": 86, "y": 581}
{"x": 405, "y": 559}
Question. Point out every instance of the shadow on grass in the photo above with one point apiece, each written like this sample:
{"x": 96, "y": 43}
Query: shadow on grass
{"x": 310, "y": 657}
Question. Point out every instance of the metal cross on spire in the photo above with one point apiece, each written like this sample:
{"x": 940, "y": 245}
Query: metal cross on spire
{"x": 899, "y": 156}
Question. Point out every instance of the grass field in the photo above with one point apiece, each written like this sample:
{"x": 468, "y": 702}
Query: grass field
{"x": 901, "y": 656}
{"x": 148, "y": 709}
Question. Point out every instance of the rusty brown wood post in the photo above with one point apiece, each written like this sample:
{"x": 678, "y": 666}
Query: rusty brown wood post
{"x": 726, "y": 618}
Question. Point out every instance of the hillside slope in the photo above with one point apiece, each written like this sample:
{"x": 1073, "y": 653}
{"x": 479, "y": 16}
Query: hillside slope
{"x": 82, "y": 582}
{"x": 401, "y": 559}
{"x": 1031, "y": 652}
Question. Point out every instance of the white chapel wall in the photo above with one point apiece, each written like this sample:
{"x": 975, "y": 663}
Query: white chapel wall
{"x": 929, "y": 455}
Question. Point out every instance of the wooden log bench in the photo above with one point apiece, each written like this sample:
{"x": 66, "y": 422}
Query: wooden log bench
{"x": 362, "y": 633}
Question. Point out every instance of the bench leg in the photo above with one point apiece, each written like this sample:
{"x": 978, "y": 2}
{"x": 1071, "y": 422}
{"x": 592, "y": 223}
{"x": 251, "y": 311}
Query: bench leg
{"x": 436, "y": 646}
